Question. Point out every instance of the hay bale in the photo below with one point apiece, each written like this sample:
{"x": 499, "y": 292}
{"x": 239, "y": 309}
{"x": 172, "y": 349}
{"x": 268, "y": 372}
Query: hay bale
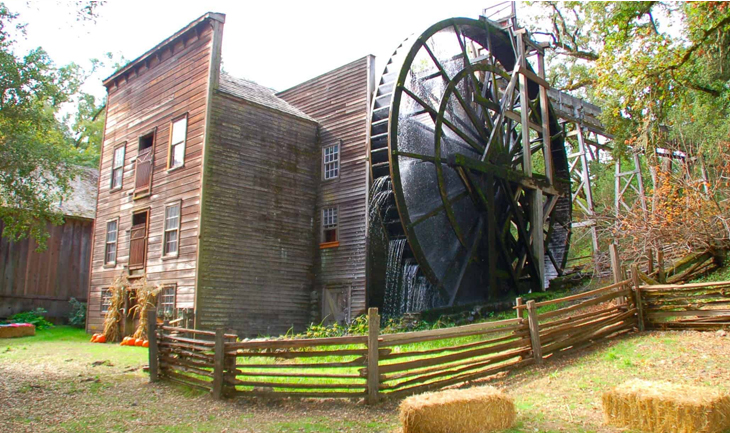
{"x": 661, "y": 407}
{"x": 473, "y": 410}
{"x": 17, "y": 330}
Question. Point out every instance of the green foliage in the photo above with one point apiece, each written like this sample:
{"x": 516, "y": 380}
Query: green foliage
{"x": 77, "y": 316}
{"x": 34, "y": 317}
{"x": 648, "y": 64}
{"x": 38, "y": 155}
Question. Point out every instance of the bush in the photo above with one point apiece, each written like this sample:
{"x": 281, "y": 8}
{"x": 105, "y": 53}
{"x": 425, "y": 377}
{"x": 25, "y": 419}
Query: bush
{"x": 34, "y": 317}
{"x": 77, "y": 316}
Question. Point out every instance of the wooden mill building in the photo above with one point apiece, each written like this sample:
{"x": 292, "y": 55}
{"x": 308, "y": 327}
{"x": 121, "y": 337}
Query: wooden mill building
{"x": 247, "y": 206}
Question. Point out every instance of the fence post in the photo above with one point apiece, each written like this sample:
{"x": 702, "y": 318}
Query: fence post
{"x": 615, "y": 263}
{"x": 518, "y": 305}
{"x": 373, "y": 379}
{"x": 218, "y": 364}
{"x": 660, "y": 266}
{"x": 637, "y": 295}
{"x": 229, "y": 363}
{"x": 152, "y": 337}
{"x": 534, "y": 331}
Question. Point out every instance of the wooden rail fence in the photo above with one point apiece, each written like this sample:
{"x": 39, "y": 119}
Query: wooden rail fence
{"x": 377, "y": 366}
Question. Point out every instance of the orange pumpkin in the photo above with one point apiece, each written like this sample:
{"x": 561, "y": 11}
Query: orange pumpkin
{"x": 101, "y": 339}
{"x": 94, "y": 337}
{"x": 146, "y": 343}
{"x": 125, "y": 342}
{"x": 132, "y": 341}
{"x": 139, "y": 343}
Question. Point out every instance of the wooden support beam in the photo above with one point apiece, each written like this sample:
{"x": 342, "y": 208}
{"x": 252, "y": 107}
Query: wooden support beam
{"x": 534, "y": 183}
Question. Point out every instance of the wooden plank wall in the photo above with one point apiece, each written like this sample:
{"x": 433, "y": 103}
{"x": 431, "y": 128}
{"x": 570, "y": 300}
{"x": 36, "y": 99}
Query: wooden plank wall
{"x": 169, "y": 84}
{"x": 30, "y": 279}
{"x": 339, "y": 101}
{"x": 257, "y": 241}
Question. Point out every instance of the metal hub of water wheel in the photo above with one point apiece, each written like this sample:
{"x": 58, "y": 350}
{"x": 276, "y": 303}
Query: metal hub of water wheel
{"x": 446, "y": 126}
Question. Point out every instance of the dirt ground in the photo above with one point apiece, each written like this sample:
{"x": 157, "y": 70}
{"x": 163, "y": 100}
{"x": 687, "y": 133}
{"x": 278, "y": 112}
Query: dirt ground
{"x": 61, "y": 383}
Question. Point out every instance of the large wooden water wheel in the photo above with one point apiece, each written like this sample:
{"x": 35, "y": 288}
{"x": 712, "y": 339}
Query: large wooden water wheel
{"x": 481, "y": 217}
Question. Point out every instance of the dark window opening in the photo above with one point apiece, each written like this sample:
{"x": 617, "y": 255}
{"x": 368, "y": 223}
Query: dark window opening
{"x": 144, "y": 166}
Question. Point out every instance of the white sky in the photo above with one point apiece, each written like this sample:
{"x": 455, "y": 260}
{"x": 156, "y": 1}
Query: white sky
{"x": 275, "y": 43}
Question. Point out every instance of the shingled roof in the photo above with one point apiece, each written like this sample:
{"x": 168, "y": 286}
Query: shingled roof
{"x": 257, "y": 94}
{"x": 81, "y": 199}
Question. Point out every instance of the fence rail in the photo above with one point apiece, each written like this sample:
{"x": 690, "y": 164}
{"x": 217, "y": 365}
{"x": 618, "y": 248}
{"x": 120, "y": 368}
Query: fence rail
{"x": 376, "y": 365}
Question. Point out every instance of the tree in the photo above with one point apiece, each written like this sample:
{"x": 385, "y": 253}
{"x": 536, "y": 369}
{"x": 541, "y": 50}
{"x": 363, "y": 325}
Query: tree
{"x": 37, "y": 155}
{"x": 661, "y": 73}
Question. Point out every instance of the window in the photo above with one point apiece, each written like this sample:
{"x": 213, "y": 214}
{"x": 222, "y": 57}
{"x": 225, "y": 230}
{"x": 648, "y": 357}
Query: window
{"x": 106, "y": 301}
{"x": 112, "y": 232}
{"x": 166, "y": 301}
{"x": 178, "y": 134}
{"x": 172, "y": 229}
{"x": 331, "y": 160}
{"x": 118, "y": 167}
{"x": 329, "y": 227}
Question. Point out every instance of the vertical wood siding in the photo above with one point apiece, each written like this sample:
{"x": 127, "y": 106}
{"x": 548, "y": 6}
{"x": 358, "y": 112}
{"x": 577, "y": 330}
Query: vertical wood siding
{"x": 257, "y": 241}
{"x": 172, "y": 83}
{"x": 338, "y": 100}
{"x": 30, "y": 279}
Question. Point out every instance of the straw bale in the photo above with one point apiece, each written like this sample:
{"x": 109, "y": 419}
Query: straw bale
{"x": 661, "y": 407}
{"x": 473, "y": 410}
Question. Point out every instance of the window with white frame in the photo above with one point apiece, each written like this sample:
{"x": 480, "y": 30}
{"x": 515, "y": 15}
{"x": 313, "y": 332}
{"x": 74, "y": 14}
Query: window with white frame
{"x": 172, "y": 229}
{"x": 329, "y": 225}
{"x": 118, "y": 167}
{"x": 178, "y": 135}
{"x": 106, "y": 301}
{"x": 166, "y": 301}
{"x": 112, "y": 233}
{"x": 331, "y": 160}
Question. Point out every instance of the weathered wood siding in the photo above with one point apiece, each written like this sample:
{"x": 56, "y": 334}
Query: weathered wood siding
{"x": 339, "y": 101}
{"x": 30, "y": 279}
{"x": 257, "y": 239}
{"x": 172, "y": 82}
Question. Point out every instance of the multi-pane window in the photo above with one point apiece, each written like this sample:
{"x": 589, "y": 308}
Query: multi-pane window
{"x": 331, "y": 159}
{"x": 110, "y": 251}
{"x": 329, "y": 225}
{"x": 177, "y": 142}
{"x": 106, "y": 301}
{"x": 172, "y": 229}
{"x": 117, "y": 167}
{"x": 166, "y": 301}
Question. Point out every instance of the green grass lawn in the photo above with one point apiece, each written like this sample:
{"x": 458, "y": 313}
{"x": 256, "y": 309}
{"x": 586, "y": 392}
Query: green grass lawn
{"x": 48, "y": 383}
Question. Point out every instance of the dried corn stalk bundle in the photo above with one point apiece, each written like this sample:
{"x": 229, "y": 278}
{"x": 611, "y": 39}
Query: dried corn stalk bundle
{"x": 473, "y": 410}
{"x": 660, "y": 407}
{"x": 117, "y": 292}
{"x": 146, "y": 297}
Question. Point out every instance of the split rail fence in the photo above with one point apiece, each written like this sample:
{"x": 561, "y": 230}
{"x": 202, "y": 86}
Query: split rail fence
{"x": 377, "y": 366}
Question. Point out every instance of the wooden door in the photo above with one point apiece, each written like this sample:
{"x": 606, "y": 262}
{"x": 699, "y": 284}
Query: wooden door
{"x": 143, "y": 173}
{"x": 138, "y": 240}
{"x": 334, "y": 306}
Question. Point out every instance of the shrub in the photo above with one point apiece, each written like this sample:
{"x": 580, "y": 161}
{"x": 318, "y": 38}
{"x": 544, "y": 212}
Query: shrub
{"x": 34, "y": 317}
{"x": 77, "y": 316}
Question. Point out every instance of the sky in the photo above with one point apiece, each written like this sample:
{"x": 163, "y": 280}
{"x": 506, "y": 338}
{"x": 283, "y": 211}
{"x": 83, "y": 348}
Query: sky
{"x": 275, "y": 43}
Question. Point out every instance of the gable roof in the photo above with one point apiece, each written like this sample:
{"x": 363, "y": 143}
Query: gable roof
{"x": 258, "y": 94}
{"x": 169, "y": 41}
